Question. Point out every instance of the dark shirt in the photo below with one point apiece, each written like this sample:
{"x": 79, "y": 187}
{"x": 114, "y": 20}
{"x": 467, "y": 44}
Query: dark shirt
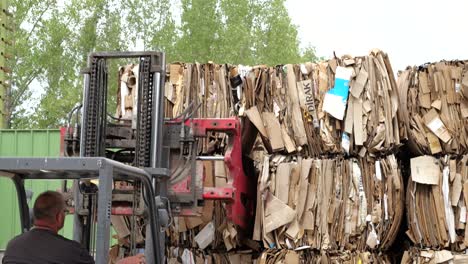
{"x": 41, "y": 246}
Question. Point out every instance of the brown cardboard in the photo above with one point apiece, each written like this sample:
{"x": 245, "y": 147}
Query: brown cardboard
{"x": 220, "y": 173}
{"x": 425, "y": 170}
{"x": 254, "y": 115}
{"x": 259, "y": 213}
{"x": 460, "y": 259}
{"x": 349, "y": 62}
{"x": 423, "y": 83}
{"x": 288, "y": 142}
{"x": 464, "y": 108}
{"x": 357, "y": 120}
{"x": 296, "y": 114}
{"x": 306, "y": 165}
{"x": 283, "y": 175}
{"x": 208, "y": 207}
{"x": 192, "y": 222}
{"x": 437, "y": 104}
{"x": 441, "y": 85}
{"x": 291, "y": 258}
{"x": 465, "y": 196}
{"x": 349, "y": 118}
{"x": 308, "y": 220}
{"x": 227, "y": 240}
{"x": 434, "y": 143}
{"x": 293, "y": 184}
{"x": 120, "y": 226}
{"x": 277, "y": 213}
{"x": 182, "y": 227}
{"x": 456, "y": 189}
{"x": 359, "y": 84}
{"x": 406, "y": 258}
{"x": 235, "y": 259}
{"x": 174, "y": 70}
{"x": 319, "y": 196}
{"x": 425, "y": 100}
{"x": 293, "y": 230}
{"x": 273, "y": 129}
{"x": 452, "y": 169}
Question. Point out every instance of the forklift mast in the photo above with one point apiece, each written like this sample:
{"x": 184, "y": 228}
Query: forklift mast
{"x": 140, "y": 146}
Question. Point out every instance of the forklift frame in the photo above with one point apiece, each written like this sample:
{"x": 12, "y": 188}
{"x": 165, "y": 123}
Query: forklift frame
{"x": 106, "y": 170}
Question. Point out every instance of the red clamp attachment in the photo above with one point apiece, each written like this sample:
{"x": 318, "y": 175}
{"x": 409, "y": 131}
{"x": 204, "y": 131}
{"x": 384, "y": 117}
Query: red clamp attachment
{"x": 240, "y": 206}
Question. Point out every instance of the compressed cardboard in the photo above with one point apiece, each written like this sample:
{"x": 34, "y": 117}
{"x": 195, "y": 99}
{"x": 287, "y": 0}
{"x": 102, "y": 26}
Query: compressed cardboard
{"x": 120, "y": 226}
{"x": 277, "y": 213}
{"x": 254, "y": 115}
{"x": 435, "y": 124}
{"x": 437, "y": 213}
{"x": 288, "y": 142}
{"x": 303, "y": 200}
{"x": 273, "y": 129}
{"x": 357, "y": 121}
{"x": 329, "y": 200}
{"x": 434, "y": 91}
{"x": 296, "y": 115}
{"x": 361, "y": 81}
{"x": 283, "y": 176}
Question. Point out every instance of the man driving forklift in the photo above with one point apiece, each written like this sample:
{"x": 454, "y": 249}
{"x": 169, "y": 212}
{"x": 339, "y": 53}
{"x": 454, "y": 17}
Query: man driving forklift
{"x": 43, "y": 245}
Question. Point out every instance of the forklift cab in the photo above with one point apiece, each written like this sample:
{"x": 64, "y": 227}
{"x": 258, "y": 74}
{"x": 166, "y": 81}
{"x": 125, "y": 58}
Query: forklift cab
{"x": 106, "y": 171}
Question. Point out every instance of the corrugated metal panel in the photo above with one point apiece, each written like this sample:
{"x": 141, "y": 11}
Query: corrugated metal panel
{"x": 25, "y": 143}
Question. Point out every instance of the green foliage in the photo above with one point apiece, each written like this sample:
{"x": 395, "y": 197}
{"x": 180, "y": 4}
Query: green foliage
{"x": 53, "y": 39}
{"x": 310, "y": 54}
{"x": 52, "y": 43}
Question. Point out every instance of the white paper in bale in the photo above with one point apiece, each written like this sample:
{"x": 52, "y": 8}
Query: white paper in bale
{"x": 336, "y": 99}
{"x": 205, "y": 236}
{"x": 449, "y": 216}
{"x": 425, "y": 170}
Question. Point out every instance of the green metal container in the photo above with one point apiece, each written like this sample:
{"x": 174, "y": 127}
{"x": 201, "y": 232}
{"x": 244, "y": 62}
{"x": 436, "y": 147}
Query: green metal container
{"x": 26, "y": 143}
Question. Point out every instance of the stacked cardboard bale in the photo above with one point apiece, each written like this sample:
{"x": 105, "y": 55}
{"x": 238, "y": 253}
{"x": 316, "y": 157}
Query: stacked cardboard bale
{"x": 346, "y": 105}
{"x": 417, "y": 256}
{"x": 204, "y": 84}
{"x": 434, "y": 101}
{"x": 329, "y": 204}
{"x": 436, "y": 202}
{"x": 303, "y": 256}
{"x": 322, "y": 137}
{"x": 195, "y": 256}
{"x": 326, "y": 133}
{"x": 434, "y": 122}
{"x": 205, "y": 90}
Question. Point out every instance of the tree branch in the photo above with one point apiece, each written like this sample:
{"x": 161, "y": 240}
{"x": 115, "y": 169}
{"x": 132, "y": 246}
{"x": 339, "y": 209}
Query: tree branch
{"x": 22, "y": 90}
{"x": 39, "y": 18}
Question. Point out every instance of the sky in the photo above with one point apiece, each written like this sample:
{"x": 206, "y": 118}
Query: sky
{"x": 411, "y": 32}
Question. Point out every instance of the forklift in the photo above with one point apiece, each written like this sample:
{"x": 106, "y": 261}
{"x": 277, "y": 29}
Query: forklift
{"x": 139, "y": 164}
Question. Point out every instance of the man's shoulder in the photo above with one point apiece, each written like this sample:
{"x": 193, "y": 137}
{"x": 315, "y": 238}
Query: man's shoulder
{"x": 43, "y": 236}
{"x": 19, "y": 239}
{"x": 47, "y": 245}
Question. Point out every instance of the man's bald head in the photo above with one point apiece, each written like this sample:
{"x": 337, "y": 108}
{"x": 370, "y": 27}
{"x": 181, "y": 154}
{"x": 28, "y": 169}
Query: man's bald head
{"x": 48, "y": 204}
